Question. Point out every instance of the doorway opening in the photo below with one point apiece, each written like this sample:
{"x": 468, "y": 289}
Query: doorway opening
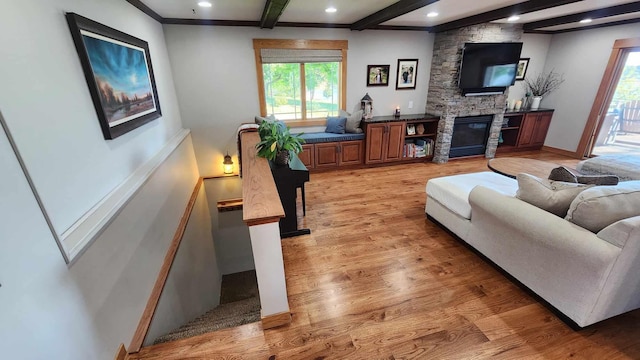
{"x": 613, "y": 126}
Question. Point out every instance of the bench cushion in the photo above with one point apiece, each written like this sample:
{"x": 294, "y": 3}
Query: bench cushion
{"x": 453, "y": 191}
{"x": 322, "y": 137}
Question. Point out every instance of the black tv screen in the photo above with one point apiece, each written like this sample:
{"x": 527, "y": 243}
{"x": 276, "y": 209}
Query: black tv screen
{"x": 489, "y": 67}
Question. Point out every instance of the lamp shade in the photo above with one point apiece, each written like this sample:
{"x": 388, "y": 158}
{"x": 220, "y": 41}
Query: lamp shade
{"x": 227, "y": 164}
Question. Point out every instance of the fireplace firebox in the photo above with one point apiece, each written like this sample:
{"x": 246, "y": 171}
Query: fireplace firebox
{"x": 470, "y": 135}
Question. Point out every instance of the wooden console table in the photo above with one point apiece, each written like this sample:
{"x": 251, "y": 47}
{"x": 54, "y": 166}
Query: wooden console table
{"x": 512, "y": 166}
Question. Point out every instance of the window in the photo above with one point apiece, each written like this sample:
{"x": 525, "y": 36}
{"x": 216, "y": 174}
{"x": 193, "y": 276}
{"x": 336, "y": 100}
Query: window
{"x": 301, "y": 81}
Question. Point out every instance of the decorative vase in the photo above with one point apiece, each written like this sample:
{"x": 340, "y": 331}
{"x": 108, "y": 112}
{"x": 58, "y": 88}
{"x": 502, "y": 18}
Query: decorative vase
{"x": 282, "y": 157}
{"x": 535, "y": 103}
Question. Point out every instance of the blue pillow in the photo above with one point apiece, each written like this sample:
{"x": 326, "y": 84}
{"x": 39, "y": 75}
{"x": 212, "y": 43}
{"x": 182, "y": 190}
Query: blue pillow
{"x": 336, "y": 124}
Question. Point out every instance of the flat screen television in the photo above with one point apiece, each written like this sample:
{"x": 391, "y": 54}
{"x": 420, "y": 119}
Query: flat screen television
{"x": 488, "y": 68}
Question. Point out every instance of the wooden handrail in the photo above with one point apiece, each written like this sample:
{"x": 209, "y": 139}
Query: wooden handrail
{"x": 259, "y": 193}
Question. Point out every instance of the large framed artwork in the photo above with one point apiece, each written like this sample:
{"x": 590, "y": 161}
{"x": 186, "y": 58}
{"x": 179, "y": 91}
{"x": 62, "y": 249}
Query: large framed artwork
{"x": 118, "y": 71}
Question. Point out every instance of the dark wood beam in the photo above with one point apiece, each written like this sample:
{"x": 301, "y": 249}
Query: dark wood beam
{"x": 145, "y": 9}
{"x": 392, "y": 11}
{"x": 592, "y": 14}
{"x": 271, "y": 13}
{"x": 504, "y": 12}
{"x": 179, "y": 21}
{"x": 579, "y": 28}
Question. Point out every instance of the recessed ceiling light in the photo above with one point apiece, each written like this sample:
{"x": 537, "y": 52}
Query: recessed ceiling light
{"x": 330, "y": 9}
{"x": 204, "y": 4}
{"x": 585, "y": 21}
{"x": 432, "y": 14}
{"x": 513, "y": 18}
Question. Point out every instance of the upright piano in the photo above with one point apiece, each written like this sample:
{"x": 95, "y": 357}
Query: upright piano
{"x": 288, "y": 179}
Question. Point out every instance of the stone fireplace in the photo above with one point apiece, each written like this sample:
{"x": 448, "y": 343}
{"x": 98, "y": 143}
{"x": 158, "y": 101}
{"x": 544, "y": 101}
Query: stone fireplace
{"x": 470, "y": 135}
{"x": 444, "y": 97}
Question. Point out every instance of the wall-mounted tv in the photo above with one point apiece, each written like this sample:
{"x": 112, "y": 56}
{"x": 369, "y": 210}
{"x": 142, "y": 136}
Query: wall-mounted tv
{"x": 488, "y": 68}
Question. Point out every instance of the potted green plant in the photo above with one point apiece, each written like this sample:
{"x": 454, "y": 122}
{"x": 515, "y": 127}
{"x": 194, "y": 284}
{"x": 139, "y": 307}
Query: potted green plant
{"x": 542, "y": 85}
{"x": 277, "y": 143}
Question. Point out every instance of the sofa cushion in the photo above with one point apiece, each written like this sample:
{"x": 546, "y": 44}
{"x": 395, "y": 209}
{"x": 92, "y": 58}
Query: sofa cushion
{"x": 598, "y": 207}
{"x": 323, "y": 137}
{"x": 353, "y": 121}
{"x": 552, "y": 196}
{"x": 453, "y": 191}
{"x": 336, "y": 125}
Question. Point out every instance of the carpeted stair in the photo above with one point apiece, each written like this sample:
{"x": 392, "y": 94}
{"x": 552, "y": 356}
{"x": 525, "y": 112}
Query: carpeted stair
{"x": 239, "y": 305}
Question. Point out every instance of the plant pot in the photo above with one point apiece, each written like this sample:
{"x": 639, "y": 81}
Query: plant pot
{"x": 535, "y": 103}
{"x": 282, "y": 157}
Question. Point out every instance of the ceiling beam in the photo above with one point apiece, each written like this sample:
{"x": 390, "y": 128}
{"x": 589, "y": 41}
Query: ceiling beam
{"x": 271, "y": 13}
{"x": 592, "y": 14}
{"x": 580, "y": 28}
{"x": 505, "y": 12}
{"x": 145, "y": 9}
{"x": 392, "y": 11}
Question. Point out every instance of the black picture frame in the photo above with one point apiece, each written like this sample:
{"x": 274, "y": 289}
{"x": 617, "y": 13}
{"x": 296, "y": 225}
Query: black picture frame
{"x": 407, "y": 74}
{"x": 372, "y": 75}
{"x": 123, "y": 91}
{"x": 521, "y": 69}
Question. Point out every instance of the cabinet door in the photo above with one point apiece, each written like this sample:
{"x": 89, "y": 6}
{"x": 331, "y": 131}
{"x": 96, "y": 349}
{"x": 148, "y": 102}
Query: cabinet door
{"x": 395, "y": 141}
{"x": 376, "y": 134}
{"x": 540, "y": 129}
{"x": 526, "y": 130}
{"x": 351, "y": 152}
{"x": 307, "y": 156}
{"x": 326, "y": 154}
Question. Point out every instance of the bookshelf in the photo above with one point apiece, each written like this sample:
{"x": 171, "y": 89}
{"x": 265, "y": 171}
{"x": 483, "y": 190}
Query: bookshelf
{"x": 419, "y": 138}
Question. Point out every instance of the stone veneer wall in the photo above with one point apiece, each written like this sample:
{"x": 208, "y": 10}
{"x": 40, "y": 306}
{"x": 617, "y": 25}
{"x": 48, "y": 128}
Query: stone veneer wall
{"x": 444, "y": 97}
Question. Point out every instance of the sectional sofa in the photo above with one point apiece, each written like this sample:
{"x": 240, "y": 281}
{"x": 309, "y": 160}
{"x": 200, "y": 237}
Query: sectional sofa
{"x": 587, "y": 275}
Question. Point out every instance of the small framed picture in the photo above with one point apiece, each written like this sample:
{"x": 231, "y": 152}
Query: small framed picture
{"x": 407, "y": 73}
{"x": 378, "y": 75}
{"x": 521, "y": 70}
{"x": 411, "y": 129}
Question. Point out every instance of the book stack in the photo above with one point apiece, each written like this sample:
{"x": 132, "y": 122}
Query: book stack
{"x": 417, "y": 148}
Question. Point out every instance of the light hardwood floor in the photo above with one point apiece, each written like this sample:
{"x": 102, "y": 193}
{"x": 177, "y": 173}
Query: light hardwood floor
{"x": 377, "y": 280}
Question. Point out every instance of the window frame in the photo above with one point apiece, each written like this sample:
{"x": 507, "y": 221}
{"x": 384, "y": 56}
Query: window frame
{"x": 342, "y": 45}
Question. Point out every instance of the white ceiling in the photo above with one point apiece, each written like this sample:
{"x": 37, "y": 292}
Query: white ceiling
{"x": 350, "y": 11}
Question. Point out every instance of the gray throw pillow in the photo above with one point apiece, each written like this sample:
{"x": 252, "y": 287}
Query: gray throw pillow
{"x": 552, "y": 196}
{"x": 598, "y": 207}
{"x": 353, "y": 121}
{"x": 598, "y": 179}
{"x": 260, "y": 119}
{"x": 336, "y": 125}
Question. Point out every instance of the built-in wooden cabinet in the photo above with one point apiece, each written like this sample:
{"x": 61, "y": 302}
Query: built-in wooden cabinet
{"x": 307, "y": 156}
{"x": 384, "y": 142}
{"x": 332, "y": 154}
{"x": 388, "y": 138}
{"x": 525, "y": 130}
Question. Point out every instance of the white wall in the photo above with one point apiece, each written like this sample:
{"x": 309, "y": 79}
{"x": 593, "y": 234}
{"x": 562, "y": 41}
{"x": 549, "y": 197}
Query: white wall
{"x": 535, "y": 47}
{"x": 582, "y": 57}
{"x": 50, "y": 310}
{"x": 46, "y": 102}
{"x": 215, "y": 76}
{"x": 193, "y": 284}
{"x": 230, "y": 232}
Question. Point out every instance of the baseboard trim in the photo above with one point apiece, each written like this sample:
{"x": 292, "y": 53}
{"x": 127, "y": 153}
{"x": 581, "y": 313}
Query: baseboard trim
{"x": 275, "y": 320}
{"x": 154, "y": 298}
{"x": 558, "y": 151}
{"x": 121, "y": 354}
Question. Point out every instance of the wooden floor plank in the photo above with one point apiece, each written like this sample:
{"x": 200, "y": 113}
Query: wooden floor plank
{"x": 376, "y": 280}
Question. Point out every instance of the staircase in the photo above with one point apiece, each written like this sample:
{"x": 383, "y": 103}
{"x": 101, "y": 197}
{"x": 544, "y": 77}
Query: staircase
{"x": 239, "y": 305}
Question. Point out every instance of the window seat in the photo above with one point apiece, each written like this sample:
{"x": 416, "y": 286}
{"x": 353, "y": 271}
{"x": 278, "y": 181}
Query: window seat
{"x": 323, "y": 137}
{"x": 324, "y": 150}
